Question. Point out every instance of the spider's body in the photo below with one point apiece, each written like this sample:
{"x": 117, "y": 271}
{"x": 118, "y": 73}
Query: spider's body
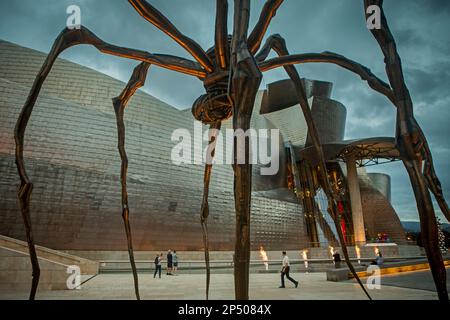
{"x": 231, "y": 72}
{"x": 215, "y": 104}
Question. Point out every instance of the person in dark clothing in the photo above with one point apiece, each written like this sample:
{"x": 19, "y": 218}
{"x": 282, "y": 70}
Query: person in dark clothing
{"x": 158, "y": 265}
{"x": 378, "y": 260}
{"x": 285, "y": 271}
{"x": 169, "y": 262}
{"x": 337, "y": 260}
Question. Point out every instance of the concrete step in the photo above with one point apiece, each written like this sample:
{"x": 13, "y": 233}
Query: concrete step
{"x": 87, "y": 267}
{"x": 15, "y": 271}
{"x": 403, "y": 266}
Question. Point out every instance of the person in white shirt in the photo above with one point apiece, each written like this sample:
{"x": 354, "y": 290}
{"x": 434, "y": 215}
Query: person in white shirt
{"x": 285, "y": 271}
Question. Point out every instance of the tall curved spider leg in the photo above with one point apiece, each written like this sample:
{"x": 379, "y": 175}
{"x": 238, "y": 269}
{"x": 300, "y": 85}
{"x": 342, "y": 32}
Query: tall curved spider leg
{"x": 432, "y": 179}
{"x": 136, "y": 81}
{"x": 245, "y": 81}
{"x": 268, "y": 12}
{"x": 221, "y": 34}
{"x": 66, "y": 39}
{"x": 152, "y": 15}
{"x": 327, "y": 57}
{"x": 410, "y": 142}
{"x": 278, "y": 44}
{"x": 24, "y": 195}
{"x": 204, "y": 213}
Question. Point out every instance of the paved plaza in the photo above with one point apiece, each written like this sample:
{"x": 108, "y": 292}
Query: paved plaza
{"x": 407, "y": 286}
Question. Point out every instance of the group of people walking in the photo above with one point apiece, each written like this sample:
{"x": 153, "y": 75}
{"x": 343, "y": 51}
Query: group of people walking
{"x": 172, "y": 263}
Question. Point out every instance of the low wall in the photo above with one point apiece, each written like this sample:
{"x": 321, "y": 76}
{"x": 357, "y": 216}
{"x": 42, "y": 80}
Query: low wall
{"x": 182, "y": 255}
{"x": 367, "y": 251}
{"x": 87, "y": 267}
{"x": 389, "y": 250}
{"x": 15, "y": 272}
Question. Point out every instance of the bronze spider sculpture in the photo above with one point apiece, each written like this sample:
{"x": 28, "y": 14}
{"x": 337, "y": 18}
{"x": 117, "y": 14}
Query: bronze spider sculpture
{"x": 231, "y": 72}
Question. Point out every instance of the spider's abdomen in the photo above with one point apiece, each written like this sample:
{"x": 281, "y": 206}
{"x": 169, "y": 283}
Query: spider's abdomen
{"x": 211, "y": 107}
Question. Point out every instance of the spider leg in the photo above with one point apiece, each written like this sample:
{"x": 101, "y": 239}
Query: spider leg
{"x": 326, "y": 57}
{"x": 244, "y": 85}
{"x": 268, "y": 12}
{"x": 69, "y": 38}
{"x": 66, "y": 39}
{"x": 221, "y": 34}
{"x": 278, "y": 44}
{"x": 214, "y": 129}
{"x": 136, "y": 81}
{"x": 152, "y": 15}
{"x": 24, "y": 194}
{"x": 434, "y": 184}
{"x": 409, "y": 138}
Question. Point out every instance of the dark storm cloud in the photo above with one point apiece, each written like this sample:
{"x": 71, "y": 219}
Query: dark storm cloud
{"x": 420, "y": 27}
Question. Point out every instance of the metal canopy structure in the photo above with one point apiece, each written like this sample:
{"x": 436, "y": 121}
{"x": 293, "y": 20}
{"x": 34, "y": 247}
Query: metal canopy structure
{"x": 367, "y": 151}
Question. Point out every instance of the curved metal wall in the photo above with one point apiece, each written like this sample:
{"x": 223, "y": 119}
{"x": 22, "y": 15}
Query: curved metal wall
{"x": 379, "y": 215}
{"x": 381, "y": 182}
{"x": 329, "y": 116}
{"x": 261, "y": 182}
{"x": 317, "y": 88}
{"x": 282, "y": 94}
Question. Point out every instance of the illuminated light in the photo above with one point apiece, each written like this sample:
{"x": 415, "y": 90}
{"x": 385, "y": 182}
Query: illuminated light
{"x": 263, "y": 255}
{"x": 331, "y": 251}
{"x": 305, "y": 258}
{"x": 377, "y": 251}
{"x": 358, "y": 254}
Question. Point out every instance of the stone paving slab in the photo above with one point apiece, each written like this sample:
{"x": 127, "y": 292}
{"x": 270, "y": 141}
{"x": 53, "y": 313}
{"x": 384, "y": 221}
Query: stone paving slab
{"x": 192, "y": 286}
{"x": 422, "y": 280}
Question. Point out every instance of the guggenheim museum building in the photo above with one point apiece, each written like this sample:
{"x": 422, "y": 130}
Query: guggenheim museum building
{"x": 71, "y": 157}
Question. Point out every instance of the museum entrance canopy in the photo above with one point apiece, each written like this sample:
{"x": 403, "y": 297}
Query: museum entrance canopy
{"x": 368, "y": 151}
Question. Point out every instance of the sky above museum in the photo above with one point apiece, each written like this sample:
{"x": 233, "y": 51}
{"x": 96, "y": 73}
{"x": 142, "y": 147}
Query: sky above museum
{"x": 419, "y": 26}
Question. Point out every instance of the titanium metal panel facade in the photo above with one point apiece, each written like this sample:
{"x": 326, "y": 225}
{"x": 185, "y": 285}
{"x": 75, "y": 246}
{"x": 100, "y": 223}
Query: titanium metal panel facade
{"x": 280, "y": 106}
{"x": 75, "y": 168}
{"x": 379, "y": 215}
{"x": 329, "y": 116}
{"x": 382, "y": 182}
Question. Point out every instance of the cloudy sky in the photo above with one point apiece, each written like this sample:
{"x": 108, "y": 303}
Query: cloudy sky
{"x": 419, "y": 26}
